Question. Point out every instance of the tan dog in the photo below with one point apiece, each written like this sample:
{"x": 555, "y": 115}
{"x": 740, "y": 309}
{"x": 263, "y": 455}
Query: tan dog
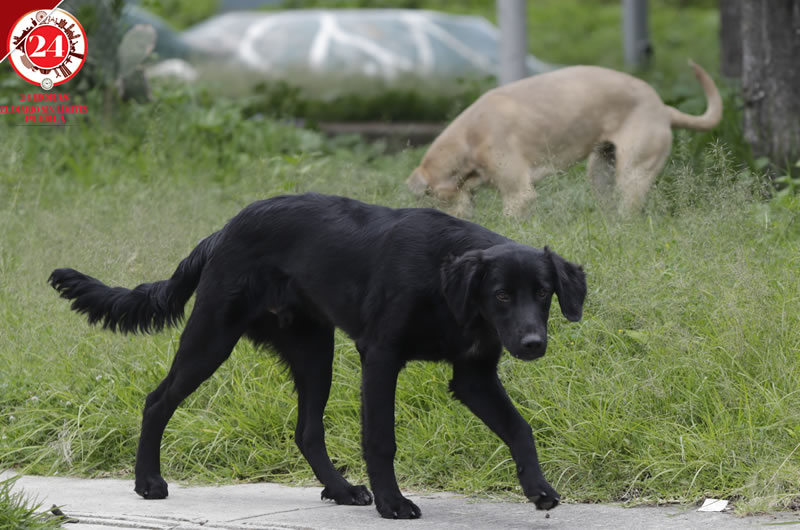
{"x": 516, "y": 134}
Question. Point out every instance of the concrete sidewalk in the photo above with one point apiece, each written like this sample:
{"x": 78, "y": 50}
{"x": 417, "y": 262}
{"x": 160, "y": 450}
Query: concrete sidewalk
{"x": 111, "y": 504}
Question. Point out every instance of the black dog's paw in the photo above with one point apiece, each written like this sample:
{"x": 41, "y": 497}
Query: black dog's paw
{"x": 153, "y": 487}
{"x": 351, "y": 496}
{"x": 545, "y": 502}
{"x": 546, "y": 498}
{"x": 397, "y": 507}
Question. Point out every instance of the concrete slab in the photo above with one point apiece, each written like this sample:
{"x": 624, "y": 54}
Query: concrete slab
{"x": 111, "y": 504}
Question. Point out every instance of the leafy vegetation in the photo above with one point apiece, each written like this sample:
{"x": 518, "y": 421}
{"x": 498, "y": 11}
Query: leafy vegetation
{"x": 680, "y": 382}
{"x": 182, "y": 13}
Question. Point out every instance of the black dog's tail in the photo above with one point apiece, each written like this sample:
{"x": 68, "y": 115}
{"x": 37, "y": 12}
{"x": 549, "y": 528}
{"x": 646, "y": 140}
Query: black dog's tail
{"x": 145, "y": 309}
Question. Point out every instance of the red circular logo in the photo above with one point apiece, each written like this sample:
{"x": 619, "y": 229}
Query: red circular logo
{"x": 47, "y": 46}
{"x": 47, "y": 50}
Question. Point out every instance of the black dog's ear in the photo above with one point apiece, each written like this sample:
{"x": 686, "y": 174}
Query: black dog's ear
{"x": 461, "y": 277}
{"x": 570, "y": 285}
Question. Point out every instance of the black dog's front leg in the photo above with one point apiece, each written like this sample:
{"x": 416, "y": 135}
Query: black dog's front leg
{"x": 379, "y": 380}
{"x": 479, "y": 388}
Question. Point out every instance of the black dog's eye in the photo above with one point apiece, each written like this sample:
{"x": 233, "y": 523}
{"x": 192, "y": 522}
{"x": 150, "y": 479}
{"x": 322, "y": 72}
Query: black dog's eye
{"x": 502, "y": 296}
{"x": 542, "y": 293}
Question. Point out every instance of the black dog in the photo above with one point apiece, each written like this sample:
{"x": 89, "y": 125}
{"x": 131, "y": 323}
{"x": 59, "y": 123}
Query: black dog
{"x": 405, "y": 284}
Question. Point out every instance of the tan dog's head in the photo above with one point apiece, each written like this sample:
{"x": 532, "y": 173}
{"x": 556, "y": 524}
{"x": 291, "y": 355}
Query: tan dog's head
{"x": 418, "y": 183}
{"x": 423, "y": 182}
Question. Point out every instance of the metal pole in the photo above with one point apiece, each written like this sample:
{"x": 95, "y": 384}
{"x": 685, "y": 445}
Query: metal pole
{"x": 511, "y": 17}
{"x": 636, "y": 38}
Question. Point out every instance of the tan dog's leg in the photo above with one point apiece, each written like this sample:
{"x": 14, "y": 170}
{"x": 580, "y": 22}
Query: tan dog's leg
{"x": 601, "y": 168}
{"x": 462, "y": 204}
{"x": 516, "y": 195}
{"x": 510, "y": 172}
{"x": 640, "y": 157}
{"x": 456, "y": 199}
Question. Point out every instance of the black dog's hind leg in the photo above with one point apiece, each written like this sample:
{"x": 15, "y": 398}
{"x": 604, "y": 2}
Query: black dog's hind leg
{"x": 478, "y": 387}
{"x": 207, "y": 340}
{"x": 378, "y": 384}
{"x": 308, "y": 348}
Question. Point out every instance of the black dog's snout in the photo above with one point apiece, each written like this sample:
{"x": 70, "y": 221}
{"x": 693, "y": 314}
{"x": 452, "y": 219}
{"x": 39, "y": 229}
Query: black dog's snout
{"x": 532, "y": 342}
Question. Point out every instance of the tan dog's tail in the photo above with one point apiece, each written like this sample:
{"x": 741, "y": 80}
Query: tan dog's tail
{"x": 713, "y": 114}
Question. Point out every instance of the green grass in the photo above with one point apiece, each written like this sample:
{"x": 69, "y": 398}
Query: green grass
{"x": 18, "y": 512}
{"x": 680, "y": 382}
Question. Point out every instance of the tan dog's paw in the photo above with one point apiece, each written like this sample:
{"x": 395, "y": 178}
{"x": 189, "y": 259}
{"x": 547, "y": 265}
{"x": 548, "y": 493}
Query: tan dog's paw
{"x": 520, "y": 206}
{"x": 462, "y": 211}
{"x": 462, "y": 205}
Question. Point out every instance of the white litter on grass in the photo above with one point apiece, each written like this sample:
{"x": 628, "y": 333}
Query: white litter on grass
{"x": 713, "y": 505}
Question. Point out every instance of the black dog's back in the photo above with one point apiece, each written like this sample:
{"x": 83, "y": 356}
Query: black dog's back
{"x": 336, "y": 249}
